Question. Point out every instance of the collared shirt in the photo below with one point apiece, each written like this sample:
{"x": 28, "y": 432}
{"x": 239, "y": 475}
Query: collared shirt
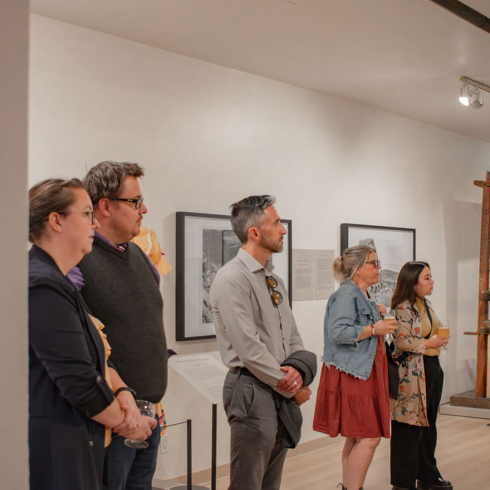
{"x": 252, "y": 332}
{"x": 76, "y": 275}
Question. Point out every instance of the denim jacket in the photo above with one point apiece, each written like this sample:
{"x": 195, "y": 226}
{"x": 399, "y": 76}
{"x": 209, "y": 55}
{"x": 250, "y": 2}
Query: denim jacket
{"x": 348, "y": 312}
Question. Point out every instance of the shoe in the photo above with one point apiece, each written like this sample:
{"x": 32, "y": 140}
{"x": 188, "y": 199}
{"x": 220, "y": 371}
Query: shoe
{"x": 403, "y": 488}
{"x": 440, "y": 484}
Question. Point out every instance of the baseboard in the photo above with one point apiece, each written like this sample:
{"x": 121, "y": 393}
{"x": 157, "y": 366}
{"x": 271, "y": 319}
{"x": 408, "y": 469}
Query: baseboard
{"x": 478, "y": 413}
{"x": 223, "y": 471}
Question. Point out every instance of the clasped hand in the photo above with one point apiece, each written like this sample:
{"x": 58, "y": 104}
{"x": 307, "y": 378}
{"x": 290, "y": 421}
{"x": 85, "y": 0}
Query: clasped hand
{"x": 134, "y": 425}
{"x": 291, "y": 382}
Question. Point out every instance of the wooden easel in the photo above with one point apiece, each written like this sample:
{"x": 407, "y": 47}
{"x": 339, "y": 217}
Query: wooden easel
{"x": 483, "y": 328}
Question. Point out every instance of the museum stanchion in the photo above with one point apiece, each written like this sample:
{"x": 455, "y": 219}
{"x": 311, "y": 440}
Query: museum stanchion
{"x": 189, "y": 485}
{"x": 213, "y": 447}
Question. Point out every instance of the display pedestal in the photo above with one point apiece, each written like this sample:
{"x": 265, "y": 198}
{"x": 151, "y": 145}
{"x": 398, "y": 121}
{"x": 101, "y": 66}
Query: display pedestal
{"x": 207, "y": 375}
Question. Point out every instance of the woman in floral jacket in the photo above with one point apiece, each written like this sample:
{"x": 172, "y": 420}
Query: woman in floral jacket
{"x": 414, "y": 413}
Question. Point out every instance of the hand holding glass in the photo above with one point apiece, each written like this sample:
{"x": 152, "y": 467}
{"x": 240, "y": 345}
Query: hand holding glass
{"x": 390, "y": 316}
{"x": 443, "y": 331}
{"x": 146, "y": 409}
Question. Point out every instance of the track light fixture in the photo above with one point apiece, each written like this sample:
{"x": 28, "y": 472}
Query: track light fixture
{"x": 472, "y": 93}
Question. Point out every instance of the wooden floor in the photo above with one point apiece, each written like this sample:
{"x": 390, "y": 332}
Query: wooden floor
{"x": 463, "y": 456}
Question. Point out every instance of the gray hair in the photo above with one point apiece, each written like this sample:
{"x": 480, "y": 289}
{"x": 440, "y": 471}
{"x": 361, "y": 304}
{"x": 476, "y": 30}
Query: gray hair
{"x": 249, "y": 212}
{"x": 106, "y": 179}
{"x": 353, "y": 259}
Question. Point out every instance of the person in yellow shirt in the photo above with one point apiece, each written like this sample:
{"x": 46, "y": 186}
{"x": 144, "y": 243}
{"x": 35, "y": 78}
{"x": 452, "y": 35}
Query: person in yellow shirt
{"x": 414, "y": 413}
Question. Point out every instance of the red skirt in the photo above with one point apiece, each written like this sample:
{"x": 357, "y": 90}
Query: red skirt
{"x": 353, "y": 407}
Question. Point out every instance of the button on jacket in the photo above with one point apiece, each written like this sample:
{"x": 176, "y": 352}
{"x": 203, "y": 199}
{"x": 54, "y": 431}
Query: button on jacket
{"x": 348, "y": 312}
{"x": 251, "y": 331}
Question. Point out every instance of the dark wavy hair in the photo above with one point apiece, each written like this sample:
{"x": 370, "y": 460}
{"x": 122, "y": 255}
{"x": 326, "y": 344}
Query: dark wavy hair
{"x": 407, "y": 280}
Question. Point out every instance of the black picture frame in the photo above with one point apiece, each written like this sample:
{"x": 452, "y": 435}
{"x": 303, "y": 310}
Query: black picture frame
{"x": 394, "y": 246}
{"x": 204, "y": 243}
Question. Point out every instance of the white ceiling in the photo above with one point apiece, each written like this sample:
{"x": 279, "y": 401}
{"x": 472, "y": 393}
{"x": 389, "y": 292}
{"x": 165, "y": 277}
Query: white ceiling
{"x": 401, "y": 56}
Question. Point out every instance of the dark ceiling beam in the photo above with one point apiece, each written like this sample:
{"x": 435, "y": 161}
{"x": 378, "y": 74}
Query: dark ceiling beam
{"x": 467, "y": 13}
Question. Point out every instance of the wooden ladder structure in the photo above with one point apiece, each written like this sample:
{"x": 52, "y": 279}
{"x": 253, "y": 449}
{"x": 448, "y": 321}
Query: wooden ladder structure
{"x": 483, "y": 329}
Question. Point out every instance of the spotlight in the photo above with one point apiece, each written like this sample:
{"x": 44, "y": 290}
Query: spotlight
{"x": 476, "y": 100}
{"x": 471, "y": 93}
{"x": 465, "y": 96}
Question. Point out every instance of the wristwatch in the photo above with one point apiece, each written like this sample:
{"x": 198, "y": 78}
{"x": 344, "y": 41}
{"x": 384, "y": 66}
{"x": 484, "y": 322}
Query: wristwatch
{"x": 125, "y": 388}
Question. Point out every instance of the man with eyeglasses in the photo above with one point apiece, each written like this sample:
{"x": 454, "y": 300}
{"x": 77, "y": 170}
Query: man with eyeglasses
{"x": 121, "y": 287}
{"x": 257, "y": 336}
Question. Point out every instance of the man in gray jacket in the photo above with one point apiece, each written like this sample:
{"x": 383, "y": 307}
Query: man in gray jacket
{"x": 256, "y": 332}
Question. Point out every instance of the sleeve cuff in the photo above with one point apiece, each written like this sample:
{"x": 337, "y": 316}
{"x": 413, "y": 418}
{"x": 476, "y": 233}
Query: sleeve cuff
{"x": 102, "y": 399}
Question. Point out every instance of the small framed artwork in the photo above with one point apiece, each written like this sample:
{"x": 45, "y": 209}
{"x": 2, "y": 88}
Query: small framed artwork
{"x": 394, "y": 247}
{"x": 205, "y": 243}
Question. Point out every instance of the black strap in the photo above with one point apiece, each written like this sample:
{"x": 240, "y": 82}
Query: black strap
{"x": 125, "y": 388}
{"x": 427, "y": 309}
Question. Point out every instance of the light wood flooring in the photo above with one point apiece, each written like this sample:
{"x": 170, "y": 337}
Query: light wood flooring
{"x": 463, "y": 456}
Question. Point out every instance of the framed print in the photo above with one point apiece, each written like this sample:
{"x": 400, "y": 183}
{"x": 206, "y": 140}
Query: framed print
{"x": 205, "y": 243}
{"x": 394, "y": 247}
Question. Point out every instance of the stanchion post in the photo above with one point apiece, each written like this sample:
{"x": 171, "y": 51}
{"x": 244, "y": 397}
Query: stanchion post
{"x": 189, "y": 485}
{"x": 213, "y": 448}
{"x": 189, "y": 454}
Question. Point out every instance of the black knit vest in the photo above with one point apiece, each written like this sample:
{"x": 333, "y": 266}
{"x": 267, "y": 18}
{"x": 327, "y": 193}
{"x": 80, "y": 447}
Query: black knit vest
{"x": 122, "y": 291}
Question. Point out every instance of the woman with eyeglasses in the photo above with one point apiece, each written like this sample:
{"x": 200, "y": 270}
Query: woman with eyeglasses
{"x": 70, "y": 398}
{"x": 414, "y": 413}
{"x": 353, "y": 398}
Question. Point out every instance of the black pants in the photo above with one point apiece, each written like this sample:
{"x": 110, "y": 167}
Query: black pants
{"x": 412, "y": 447}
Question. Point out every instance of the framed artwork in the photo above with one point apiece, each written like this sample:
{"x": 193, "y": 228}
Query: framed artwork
{"x": 394, "y": 247}
{"x": 205, "y": 243}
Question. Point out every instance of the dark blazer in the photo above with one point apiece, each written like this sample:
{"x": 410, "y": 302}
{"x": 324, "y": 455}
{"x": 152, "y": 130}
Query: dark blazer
{"x": 66, "y": 383}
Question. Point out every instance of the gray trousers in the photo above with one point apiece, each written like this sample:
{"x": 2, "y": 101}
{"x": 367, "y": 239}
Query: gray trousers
{"x": 256, "y": 455}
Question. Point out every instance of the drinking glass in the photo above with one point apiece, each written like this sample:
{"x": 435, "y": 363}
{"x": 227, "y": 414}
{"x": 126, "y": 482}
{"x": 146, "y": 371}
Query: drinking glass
{"x": 443, "y": 332}
{"x": 147, "y": 409}
{"x": 390, "y": 315}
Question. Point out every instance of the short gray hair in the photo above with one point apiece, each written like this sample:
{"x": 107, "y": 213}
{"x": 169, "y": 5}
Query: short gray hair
{"x": 106, "y": 179}
{"x": 249, "y": 212}
{"x": 353, "y": 259}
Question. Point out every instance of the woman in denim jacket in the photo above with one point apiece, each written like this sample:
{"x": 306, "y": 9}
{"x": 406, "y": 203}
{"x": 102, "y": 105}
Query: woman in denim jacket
{"x": 352, "y": 398}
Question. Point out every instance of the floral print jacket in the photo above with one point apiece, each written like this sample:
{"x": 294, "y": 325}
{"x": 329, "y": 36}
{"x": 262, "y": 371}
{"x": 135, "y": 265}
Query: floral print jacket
{"x": 411, "y": 405}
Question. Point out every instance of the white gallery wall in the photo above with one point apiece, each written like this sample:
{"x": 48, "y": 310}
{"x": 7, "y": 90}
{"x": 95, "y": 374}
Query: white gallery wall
{"x": 208, "y": 136}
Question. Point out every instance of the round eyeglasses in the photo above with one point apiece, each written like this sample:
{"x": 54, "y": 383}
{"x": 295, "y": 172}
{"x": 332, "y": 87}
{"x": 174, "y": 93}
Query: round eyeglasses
{"x": 90, "y": 215}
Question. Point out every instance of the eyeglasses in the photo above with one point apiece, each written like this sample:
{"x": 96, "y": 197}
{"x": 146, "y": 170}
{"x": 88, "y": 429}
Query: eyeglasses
{"x": 376, "y": 263}
{"x": 137, "y": 202}
{"x": 90, "y": 215}
{"x": 276, "y": 296}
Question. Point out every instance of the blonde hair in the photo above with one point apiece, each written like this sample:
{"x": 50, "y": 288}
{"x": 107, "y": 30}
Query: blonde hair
{"x": 353, "y": 259}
